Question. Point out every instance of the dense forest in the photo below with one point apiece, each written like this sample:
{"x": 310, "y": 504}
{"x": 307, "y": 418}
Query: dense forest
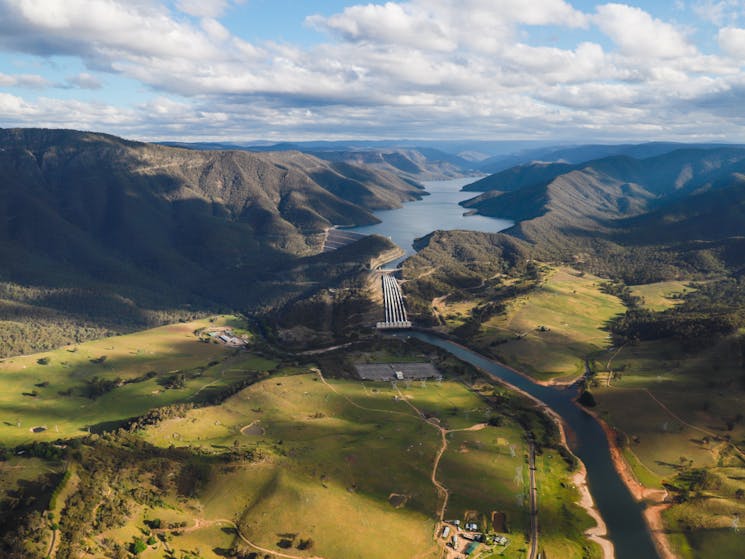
{"x": 714, "y": 309}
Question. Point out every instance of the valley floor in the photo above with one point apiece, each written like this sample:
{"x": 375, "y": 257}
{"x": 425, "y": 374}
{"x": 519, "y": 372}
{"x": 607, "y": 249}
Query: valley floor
{"x": 674, "y": 414}
{"x": 239, "y": 452}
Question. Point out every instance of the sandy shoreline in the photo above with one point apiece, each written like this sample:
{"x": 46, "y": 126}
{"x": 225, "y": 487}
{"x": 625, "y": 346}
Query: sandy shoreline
{"x": 579, "y": 478}
{"x": 656, "y": 498}
{"x": 597, "y": 533}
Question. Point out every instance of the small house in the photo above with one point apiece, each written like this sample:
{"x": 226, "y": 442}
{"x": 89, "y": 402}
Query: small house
{"x": 470, "y": 548}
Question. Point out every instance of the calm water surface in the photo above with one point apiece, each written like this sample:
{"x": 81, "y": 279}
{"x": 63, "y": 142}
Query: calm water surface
{"x": 439, "y": 210}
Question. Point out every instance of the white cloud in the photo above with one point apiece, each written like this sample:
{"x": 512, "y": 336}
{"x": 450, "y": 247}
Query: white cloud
{"x": 732, "y": 42}
{"x": 593, "y": 96}
{"x": 14, "y": 107}
{"x": 444, "y": 25}
{"x": 719, "y": 12}
{"x": 64, "y": 113}
{"x": 215, "y": 30}
{"x": 84, "y": 80}
{"x": 33, "y": 81}
{"x": 99, "y": 29}
{"x": 471, "y": 68}
{"x": 203, "y": 8}
{"x": 391, "y": 23}
{"x": 638, "y": 34}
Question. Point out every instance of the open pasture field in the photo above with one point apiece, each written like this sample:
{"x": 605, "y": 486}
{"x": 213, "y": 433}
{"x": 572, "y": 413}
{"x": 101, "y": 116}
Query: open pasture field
{"x": 62, "y": 393}
{"x": 453, "y": 313}
{"x": 562, "y": 526}
{"x": 549, "y": 332}
{"x": 670, "y": 406}
{"x": 724, "y": 543}
{"x": 348, "y": 464}
{"x": 294, "y": 464}
{"x": 661, "y": 295}
{"x": 682, "y": 415}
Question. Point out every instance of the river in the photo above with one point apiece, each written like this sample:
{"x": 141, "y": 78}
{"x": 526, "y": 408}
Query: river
{"x": 439, "y": 210}
{"x": 622, "y": 514}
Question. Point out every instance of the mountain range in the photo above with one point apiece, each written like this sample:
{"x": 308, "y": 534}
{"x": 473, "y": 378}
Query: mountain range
{"x": 688, "y": 202}
{"x": 90, "y": 221}
{"x": 103, "y": 234}
{"x": 439, "y": 159}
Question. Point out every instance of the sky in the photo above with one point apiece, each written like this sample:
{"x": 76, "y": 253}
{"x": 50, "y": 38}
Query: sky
{"x": 248, "y": 70}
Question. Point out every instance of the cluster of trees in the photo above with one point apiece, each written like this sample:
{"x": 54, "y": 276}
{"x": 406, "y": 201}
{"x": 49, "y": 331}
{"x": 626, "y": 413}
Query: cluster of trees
{"x": 96, "y": 386}
{"x": 155, "y": 416}
{"x": 690, "y": 483}
{"x": 494, "y": 301}
{"x": 40, "y": 449}
{"x": 287, "y": 541}
{"x": 116, "y": 471}
{"x": 36, "y": 319}
{"x": 623, "y": 292}
{"x": 466, "y": 265}
{"x": 25, "y": 536}
{"x": 173, "y": 381}
{"x": 713, "y": 310}
{"x": 215, "y": 395}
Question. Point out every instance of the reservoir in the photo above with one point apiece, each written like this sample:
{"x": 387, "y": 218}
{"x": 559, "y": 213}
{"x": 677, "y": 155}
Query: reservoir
{"x": 622, "y": 514}
{"x": 439, "y": 210}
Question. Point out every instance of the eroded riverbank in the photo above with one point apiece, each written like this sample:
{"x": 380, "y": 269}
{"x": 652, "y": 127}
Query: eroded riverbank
{"x": 624, "y": 517}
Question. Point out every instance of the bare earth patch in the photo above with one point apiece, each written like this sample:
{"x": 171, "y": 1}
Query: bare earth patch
{"x": 253, "y": 428}
{"x": 398, "y": 500}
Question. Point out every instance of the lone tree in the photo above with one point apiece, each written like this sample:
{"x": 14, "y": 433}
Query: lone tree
{"x": 138, "y": 546}
{"x": 587, "y": 399}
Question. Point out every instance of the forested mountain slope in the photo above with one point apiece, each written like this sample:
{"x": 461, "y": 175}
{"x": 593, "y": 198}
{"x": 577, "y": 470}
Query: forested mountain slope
{"x": 105, "y": 227}
{"x": 621, "y": 215}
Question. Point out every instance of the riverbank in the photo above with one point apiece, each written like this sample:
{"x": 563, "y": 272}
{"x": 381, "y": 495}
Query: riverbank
{"x": 654, "y": 499}
{"x": 599, "y": 532}
{"x": 649, "y": 520}
{"x": 553, "y": 383}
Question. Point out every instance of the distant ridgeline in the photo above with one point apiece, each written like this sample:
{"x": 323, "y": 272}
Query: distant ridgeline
{"x": 100, "y": 234}
{"x": 678, "y": 213}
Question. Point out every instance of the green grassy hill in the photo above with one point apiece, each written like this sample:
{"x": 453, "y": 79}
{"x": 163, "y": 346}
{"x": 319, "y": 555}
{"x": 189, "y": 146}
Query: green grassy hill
{"x": 234, "y": 453}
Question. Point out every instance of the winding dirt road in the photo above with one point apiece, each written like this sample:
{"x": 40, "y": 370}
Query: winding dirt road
{"x": 442, "y": 491}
